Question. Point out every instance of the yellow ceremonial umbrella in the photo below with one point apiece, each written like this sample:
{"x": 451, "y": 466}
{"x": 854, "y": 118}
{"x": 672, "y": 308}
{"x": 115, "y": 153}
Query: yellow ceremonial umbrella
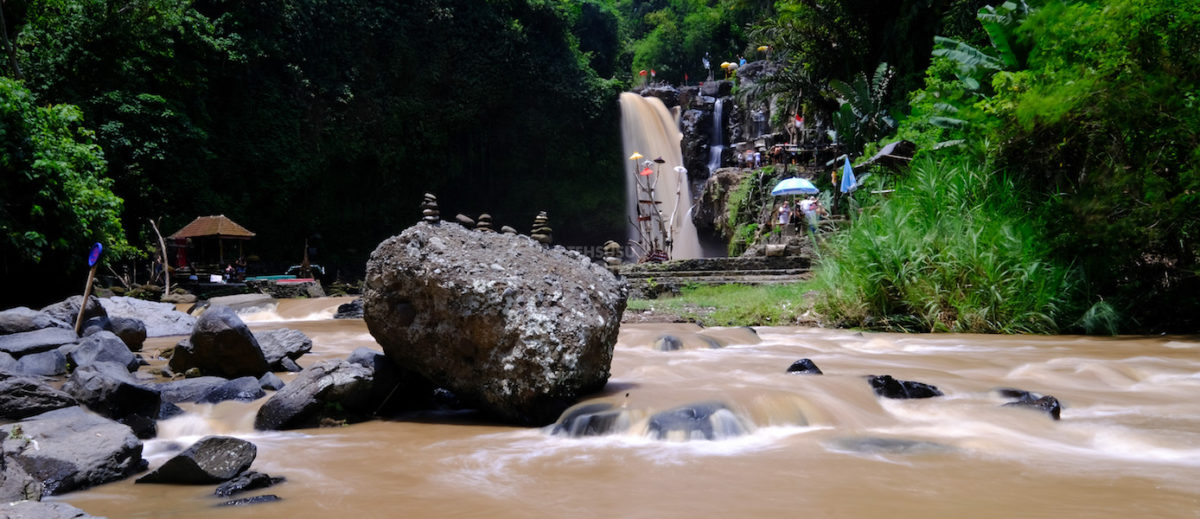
{"x": 763, "y": 48}
{"x": 635, "y": 156}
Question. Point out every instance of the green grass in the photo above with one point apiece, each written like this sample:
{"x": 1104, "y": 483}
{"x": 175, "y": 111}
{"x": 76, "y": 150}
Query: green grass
{"x": 735, "y": 305}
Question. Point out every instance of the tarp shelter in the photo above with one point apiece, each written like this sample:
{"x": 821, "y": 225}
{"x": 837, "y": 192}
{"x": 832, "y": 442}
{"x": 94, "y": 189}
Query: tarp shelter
{"x": 205, "y": 234}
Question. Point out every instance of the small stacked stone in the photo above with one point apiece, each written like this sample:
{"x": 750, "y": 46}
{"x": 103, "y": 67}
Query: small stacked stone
{"x": 429, "y": 209}
{"x": 485, "y": 223}
{"x": 541, "y": 229}
{"x": 508, "y": 230}
{"x": 464, "y": 220}
{"x": 612, "y": 254}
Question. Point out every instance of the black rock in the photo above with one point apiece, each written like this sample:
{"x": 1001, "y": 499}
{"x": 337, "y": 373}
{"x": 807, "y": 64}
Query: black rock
{"x": 283, "y": 344}
{"x": 270, "y": 381}
{"x": 22, "y": 319}
{"x": 266, "y": 498}
{"x": 101, "y": 346}
{"x": 41, "y": 510}
{"x": 22, "y": 397}
{"x": 804, "y": 367}
{"x": 71, "y": 449}
{"x": 706, "y": 420}
{"x": 590, "y": 420}
{"x": 188, "y": 389}
{"x": 351, "y": 310}
{"x": 311, "y": 397}
{"x": 37, "y": 341}
{"x": 220, "y": 344}
{"x": 1047, "y": 403}
{"x": 46, "y": 363}
{"x": 144, "y": 427}
{"x": 132, "y": 332}
{"x": 213, "y": 459}
{"x": 668, "y": 343}
{"x": 888, "y": 387}
{"x": 244, "y": 389}
{"x": 67, "y": 310}
{"x": 110, "y": 390}
{"x": 247, "y": 481}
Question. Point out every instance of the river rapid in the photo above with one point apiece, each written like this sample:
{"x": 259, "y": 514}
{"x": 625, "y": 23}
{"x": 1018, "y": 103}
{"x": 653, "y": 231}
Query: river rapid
{"x": 1128, "y": 443}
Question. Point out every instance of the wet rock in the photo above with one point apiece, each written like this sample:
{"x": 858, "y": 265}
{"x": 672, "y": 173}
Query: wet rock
{"x": 22, "y": 319}
{"x": 44, "y": 364}
{"x": 42, "y": 510}
{"x": 395, "y": 389}
{"x": 22, "y": 397}
{"x": 102, "y": 346}
{"x": 596, "y": 419}
{"x": 244, "y": 389}
{"x": 72, "y": 449}
{"x": 1046, "y": 403}
{"x": 132, "y": 332}
{"x": 246, "y": 482}
{"x": 37, "y": 341}
{"x": 330, "y": 389}
{"x": 518, "y": 329}
{"x": 804, "y": 367}
{"x": 878, "y": 445}
{"x": 270, "y": 381}
{"x": 701, "y": 421}
{"x": 718, "y": 88}
{"x": 888, "y": 387}
{"x": 244, "y": 303}
{"x": 283, "y": 343}
{"x": 220, "y": 344}
{"x": 668, "y": 94}
{"x": 668, "y": 343}
{"x": 159, "y": 319}
{"x": 67, "y": 310}
{"x": 351, "y": 310}
{"x": 245, "y": 501}
{"x": 189, "y": 389}
{"x": 212, "y": 459}
{"x": 109, "y": 389}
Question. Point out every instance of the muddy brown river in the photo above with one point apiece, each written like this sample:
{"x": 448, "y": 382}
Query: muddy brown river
{"x": 1127, "y": 444}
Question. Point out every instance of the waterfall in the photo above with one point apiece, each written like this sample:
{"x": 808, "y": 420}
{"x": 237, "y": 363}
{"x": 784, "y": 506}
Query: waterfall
{"x": 648, "y": 128}
{"x": 717, "y": 145}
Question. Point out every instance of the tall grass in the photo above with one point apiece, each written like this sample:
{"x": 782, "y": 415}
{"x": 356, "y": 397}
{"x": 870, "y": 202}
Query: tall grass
{"x": 956, "y": 248}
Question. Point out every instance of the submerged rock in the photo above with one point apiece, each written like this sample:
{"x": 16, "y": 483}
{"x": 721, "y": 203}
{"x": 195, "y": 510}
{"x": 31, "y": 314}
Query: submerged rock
{"x": 888, "y": 387}
{"x": 701, "y": 421}
{"x": 516, "y": 328}
{"x": 804, "y": 367}
{"x": 595, "y": 419}
{"x": 1046, "y": 403}
{"x": 266, "y": 498}
{"x": 246, "y": 482}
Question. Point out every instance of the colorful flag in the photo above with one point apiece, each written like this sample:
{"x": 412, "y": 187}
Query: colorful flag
{"x": 848, "y": 181}
{"x": 642, "y": 73}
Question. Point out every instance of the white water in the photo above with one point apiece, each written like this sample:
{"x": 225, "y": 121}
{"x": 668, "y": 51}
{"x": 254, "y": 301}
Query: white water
{"x": 648, "y": 128}
{"x": 717, "y": 145}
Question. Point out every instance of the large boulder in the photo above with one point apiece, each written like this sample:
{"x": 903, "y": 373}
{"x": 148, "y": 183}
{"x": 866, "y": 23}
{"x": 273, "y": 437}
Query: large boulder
{"x": 159, "y": 319}
{"x": 40, "y": 510}
{"x": 213, "y": 459}
{"x": 283, "y": 343}
{"x": 22, "y": 319}
{"x": 131, "y": 331}
{"x": 36, "y": 341}
{"x": 109, "y": 389}
{"x": 22, "y": 397}
{"x": 220, "y": 344}
{"x": 72, "y": 449}
{"x": 102, "y": 346}
{"x": 331, "y": 389}
{"x": 519, "y": 329}
{"x": 67, "y": 310}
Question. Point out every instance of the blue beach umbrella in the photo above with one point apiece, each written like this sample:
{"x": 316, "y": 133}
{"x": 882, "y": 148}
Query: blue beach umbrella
{"x": 794, "y": 186}
{"x": 848, "y": 181}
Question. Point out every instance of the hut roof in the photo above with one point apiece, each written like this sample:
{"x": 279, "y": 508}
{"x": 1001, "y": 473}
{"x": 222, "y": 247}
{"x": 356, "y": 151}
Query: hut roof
{"x": 218, "y": 225}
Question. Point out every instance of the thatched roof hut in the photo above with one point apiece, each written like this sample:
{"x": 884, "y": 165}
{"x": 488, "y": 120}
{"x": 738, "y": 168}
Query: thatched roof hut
{"x": 205, "y": 230}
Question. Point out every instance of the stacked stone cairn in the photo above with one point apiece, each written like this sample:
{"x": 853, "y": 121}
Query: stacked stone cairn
{"x": 612, "y": 255}
{"x": 541, "y": 229}
{"x": 429, "y": 209}
{"x": 485, "y": 223}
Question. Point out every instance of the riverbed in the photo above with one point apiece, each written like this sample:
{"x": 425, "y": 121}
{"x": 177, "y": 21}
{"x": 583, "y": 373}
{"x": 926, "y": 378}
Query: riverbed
{"x": 1127, "y": 444}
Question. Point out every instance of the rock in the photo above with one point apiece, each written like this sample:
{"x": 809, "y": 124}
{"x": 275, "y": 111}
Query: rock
{"x": 395, "y": 389}
{"x": 181, "y": 299}
{"x": 188, "y": 389}
{"x": 429, "y": 210}
{"x": 37, "y": 341}
{"x": 596, "y": 419}
{"x": 44, "y": 364}
{"x": 220, "y": 344}
{"x": 286, "y": 289}
{"x": 888, "y": 387}
{"x": 878, "y": 445}
{"x": 464, "y": 221}
{"x": 40, "y": 510}
{"x": 266, "y": 498}
{"x": 1046, "y": 404}
{"x": 351, "y": 310}
{"x": 668, "y": 343}
{"x": 67, "y": 310}
{"x": 668, "y": 94}
{"x": 245, "y": 303}
{"x": 702, "y": 421}
{"x": 109, "y": 389}
{"x": 212, "y": 459}
{"x": 286, "y": 364}
{"x": 72, "y": 449}
{"x": 6, "y": 362}
{"x": 247, "y": 481}
{"x": 22, "y": 319}
{"x": 804, "y": 367}
{"x": 711, "y": 210}
{"x": 131, "y": 331}
{"x": 310, "y": 397}
{"x": 282, "y": 343}
{"x": 270, "y": 381}
{"x": 22, "y": 397}
{"x": 719, "y": 88}
{"x": 517, "y": 328}
{"x": 103, "y": 346}
{"x": 244, "y": 389}
{"x": 159, "y": 319}
{"x": 16, "y": 483}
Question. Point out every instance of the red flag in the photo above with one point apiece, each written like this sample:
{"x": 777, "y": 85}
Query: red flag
{"x": 642, "y": 73}
{"x": 799, "y": 120}
{"x": 685, "y": 77}
{"x": 652, "y": 73}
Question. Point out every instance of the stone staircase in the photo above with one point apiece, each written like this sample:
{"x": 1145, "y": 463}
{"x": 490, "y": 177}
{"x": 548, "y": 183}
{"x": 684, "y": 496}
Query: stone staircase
{"x": 650, "y": 280}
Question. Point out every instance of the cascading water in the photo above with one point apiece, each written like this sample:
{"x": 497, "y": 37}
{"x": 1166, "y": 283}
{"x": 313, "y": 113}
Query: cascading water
{"x": 717, "y": 145}
{"x": 648, "y": 128}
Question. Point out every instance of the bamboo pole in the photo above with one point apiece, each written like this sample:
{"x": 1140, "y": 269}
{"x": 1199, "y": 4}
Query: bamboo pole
{"x": 87, "y": 292}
